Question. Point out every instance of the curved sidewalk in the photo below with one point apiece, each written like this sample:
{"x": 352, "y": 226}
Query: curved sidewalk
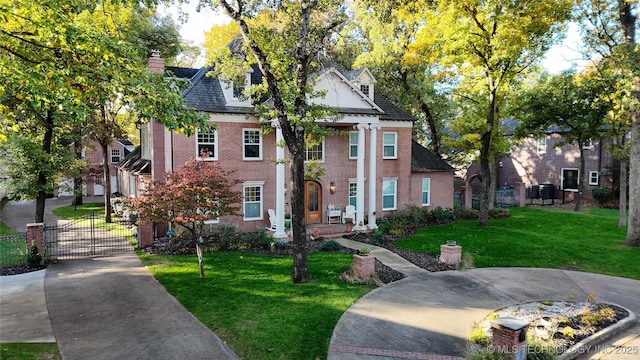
{"x": 430, "y": 315}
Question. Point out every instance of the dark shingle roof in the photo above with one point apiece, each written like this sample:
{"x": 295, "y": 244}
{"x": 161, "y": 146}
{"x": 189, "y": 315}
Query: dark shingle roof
{"x": 391, "y": 112}
{"x": 135, "y": 164}
{"x": 205, "y": 94}
{"x": 424, "y": 160}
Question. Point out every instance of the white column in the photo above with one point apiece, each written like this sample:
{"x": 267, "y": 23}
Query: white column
{"x": 280, "y": 230}
{"x": 360, "y": 178}
{"x": 371, "y": 216}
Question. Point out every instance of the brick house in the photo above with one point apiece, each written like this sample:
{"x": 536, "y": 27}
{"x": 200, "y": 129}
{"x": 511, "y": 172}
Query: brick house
{"x": 536, "y": 160}
{"x": 92, "y": 154}
{"x": 371, "y": 163}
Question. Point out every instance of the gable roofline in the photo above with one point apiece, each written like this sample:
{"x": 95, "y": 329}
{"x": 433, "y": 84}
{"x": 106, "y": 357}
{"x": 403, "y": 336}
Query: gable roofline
{"x": 333, "y": 70}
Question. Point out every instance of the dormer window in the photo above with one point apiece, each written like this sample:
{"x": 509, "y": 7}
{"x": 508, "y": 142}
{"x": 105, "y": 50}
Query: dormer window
{"x": 238, "y": 91}
{"x": 365, "y": 89}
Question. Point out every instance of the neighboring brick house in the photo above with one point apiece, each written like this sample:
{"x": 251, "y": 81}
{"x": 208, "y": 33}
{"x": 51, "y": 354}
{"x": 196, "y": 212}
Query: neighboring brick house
{"x": 92, "y": 154}
{"x": 536, "y": 160}
{"x": 371, "y": 163}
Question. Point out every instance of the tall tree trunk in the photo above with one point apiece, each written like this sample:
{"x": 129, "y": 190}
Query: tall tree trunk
{"x": 43, "y": 179}
{"x": 622, "y": 213}
{"x": 300, "y": 269}
{"x": 485, "y": 179}
{"x": 486, "y": 156}
{"x": 628, "y": 21}
{"x": 581, "y": 174}
{"x": 77, "y": 180}
{"x": 106, "y": 181}
{"x": 633, "y": 227}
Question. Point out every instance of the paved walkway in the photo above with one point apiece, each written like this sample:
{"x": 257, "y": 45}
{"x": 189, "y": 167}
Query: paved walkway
{"x": 429, "y": 315}
{"x": 113, "y": 308}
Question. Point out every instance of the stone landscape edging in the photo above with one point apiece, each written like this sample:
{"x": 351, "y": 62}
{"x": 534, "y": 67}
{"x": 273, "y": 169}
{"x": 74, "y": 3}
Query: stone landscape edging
{"x": 588, "y": 343}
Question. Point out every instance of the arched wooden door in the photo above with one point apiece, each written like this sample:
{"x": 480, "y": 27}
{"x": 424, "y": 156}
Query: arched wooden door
{"x": 312, "y": 202}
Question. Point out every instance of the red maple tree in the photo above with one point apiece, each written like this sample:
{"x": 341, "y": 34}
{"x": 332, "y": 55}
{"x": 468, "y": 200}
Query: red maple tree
{"x": 200, "y": 191}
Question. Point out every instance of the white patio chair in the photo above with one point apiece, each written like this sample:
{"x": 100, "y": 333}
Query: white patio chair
{"x": 272, "y": 220}
{"x": 349, "y": 213}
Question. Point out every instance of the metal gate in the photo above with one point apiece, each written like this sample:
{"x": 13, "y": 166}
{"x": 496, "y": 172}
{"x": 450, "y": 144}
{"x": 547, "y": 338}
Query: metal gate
{"x": 87, "y": 236}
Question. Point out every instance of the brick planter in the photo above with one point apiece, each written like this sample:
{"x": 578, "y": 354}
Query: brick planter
{"x": 450, "y": 254}
{"x": 510, "y": 337}
{"x": 363, "y": 266}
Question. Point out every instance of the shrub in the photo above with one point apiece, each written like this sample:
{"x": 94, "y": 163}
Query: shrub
{"x": 378, "y": 237}
{"x": 34, "y": 258}
{"x": 282, "y": 245}
{"x": 330, "y": 245}
{"x": 441, "y": 216}
{"x": 466, "y": 214}
{"x": 602, "y": 194}
{"x": 568, "y": 332}
{"x": 479, "y": 336}
{"x": 257, "y": 239}
{"x": 499, "y": 213}
{"x": 226, "y": 235}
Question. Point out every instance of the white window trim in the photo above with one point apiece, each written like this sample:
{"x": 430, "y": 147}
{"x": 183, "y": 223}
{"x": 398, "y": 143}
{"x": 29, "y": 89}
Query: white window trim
{"x": 324, "y": 155}
{"x": 354, "y": 182}
{"x": 428, "y": 191}
{"x": 216, "y": 145}
{"x": 587, "y": 144}
{"x": 543, "y": 151}
{"x": 395, "y": 193}
{"x": 395, "y": 145}
{"x": 113, "y": 151}
{"x": 352, "y": 144}
{"x": 597, "y": 177}
{"x": 245, "y": 185}
{"x": 210, "y": 221}
{"x": 562, "y": 178}
{"x": 244, "y": 157}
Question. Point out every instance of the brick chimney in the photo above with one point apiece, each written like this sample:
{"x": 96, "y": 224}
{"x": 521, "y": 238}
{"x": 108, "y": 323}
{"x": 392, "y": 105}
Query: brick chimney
{"x": 156, "y": 63}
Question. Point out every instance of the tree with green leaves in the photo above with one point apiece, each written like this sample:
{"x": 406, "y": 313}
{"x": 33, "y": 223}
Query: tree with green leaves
{"x": 487, "y": 43}
{"x": 61, "y": 60}
{"x": 609, "y": 32}
{"x": 201, "y": 191}
{"x": 285, "y": 39}
{"x": 380, "y": 36}
{"x": 571, "y": 103}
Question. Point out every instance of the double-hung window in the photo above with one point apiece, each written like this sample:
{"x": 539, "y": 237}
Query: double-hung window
{"x": 389, "y": 145}
{"x": 353, "y": 186}
{"x": 353, "y": 144}
{"x": 389, "y": 194}
{"x": 252, "y": 201}
{"x": 207, "y": 145}
{"x": 115, "y": 156}
{"x": 594, "y": 177}
{"x": 314, "y": 152}
{"x": 252, "y": 144}
{"x": 426, "y": 191}
{"x": 541, "y": 144}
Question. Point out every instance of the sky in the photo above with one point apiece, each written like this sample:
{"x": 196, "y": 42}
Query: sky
{"x": 560, "y": 57}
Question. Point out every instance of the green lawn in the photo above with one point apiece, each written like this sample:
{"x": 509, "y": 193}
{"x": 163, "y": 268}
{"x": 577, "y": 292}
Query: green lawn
{"x": 539, "y": 237}
{"x": 249, "y": 301}
{"x": 31, "y": 351}
{"x": 6, "y": 230}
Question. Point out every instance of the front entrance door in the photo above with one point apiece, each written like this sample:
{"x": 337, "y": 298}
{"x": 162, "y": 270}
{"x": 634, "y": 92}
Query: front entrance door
{"x": 312, "y": 202}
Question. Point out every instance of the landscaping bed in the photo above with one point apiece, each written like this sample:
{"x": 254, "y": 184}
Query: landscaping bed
{"x": 555, "y": 326}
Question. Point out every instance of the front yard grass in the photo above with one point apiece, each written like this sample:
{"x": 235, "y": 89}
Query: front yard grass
{"x": 249, "y": 301}
{"x": 539, "y": 237}
{"x": 30, "y": 351}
